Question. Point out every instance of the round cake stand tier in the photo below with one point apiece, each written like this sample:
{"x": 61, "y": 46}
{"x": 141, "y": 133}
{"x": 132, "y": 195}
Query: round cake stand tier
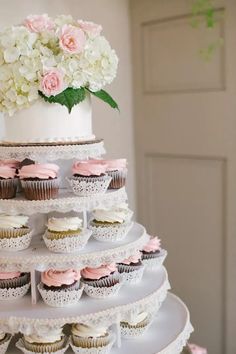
{"x": 66, "y": 201}
{"x": 38, "y": 257}
{"x": 168, "y": 333}
{"x": 148, "y": 295}
{"x": 53, "y": 151}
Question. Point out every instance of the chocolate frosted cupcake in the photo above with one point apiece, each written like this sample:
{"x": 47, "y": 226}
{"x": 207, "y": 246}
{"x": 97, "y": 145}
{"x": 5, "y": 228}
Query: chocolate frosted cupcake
{"x": 131, "y": 269}
{"x": 60, "y": 287}
{"x": 152, "y": 253}
{"x": 8, "y": 182}
{"x": 49, "y": 342}
{"x": 102, "y": 281}
{"x": 13, "y": 285}
{"x": 136, "y": 326}
{"x": 194, "y": 349}
{"x": 89, "y": 178}
{"x": 91, "y": 337}
{"x": 40, "y": 181}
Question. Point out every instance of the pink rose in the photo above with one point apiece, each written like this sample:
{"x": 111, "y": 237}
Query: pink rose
{"x": 52, "y": 82}
{"x": 72, "y": 39}
{"x": 90, "y": 28}
{"x": 39, "y": 23}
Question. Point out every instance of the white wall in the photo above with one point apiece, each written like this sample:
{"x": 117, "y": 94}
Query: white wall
{"x": 115, "y": 128}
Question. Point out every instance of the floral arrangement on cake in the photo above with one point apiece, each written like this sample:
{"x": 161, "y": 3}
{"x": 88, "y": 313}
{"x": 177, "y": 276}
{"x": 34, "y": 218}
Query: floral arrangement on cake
{"x": 59, "y": 60}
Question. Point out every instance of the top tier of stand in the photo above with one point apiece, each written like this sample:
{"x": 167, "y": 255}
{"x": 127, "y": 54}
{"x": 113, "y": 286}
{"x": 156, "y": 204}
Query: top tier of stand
{"x": 53, "y": 151}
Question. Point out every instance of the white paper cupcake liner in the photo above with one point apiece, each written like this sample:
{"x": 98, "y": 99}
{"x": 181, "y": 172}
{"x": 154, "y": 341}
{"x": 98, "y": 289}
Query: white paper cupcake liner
{"x": 68, "y": 244}
{"x": 4, "y": 344}
{"x": 85, "y": 186}
{"x": 110, "y": 233}
{"x": 16, "y": 243}
{"x": 156, "y": 262}
{"x": 14, "y": 293}
{"x": 20, "y": 345}
{"x": 130, "y": 332}
{"x": 103, "y": 288}
{"x": 60, "y": 298}
{"x": 97, "y": 350}
{"x": 133, "y": 277}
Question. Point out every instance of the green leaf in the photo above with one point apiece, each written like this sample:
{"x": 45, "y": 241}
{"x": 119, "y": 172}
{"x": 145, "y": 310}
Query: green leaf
{"x": 69, "y": 97}
{"x": 104, "y": 96}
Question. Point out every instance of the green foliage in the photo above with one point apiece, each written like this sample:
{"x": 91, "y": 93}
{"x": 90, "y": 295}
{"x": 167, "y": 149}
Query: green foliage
{"x": 104, "y": 96}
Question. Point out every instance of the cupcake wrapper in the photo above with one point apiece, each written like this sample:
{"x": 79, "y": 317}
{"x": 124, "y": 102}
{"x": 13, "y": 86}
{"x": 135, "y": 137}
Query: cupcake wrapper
{"x": 106, "y": 349}
{"x": 18, "y": 243}
{"x": 20, "y": 345}
{"x": 103, "y": 288}
{"x": 85, "y": 186}
{"x": 4, "y": 344}
{"x": 68, "y": 244}
{"x": 60, "y": 235}
{"x": 110, "y": 233}
{"x": 62, "y": 297}
{"x": 11, "y": 233}
{"x": 153, "y": 263}
{"x": 128, "y": 331}
{"x": 128, "y": 268}
{"x": 118, "y": 179}
{"x": 15, "y": 282}
{"x": 14, "y": 293}
{"x": 8, "y": 188}
{"x": 90, "y": 342}
{"x": 45, "y": 347}
{"x": 132, "y": 277}
{"x": 41, "y": 190}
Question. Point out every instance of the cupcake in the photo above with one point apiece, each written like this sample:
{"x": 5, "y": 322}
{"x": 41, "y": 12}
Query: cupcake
{"x": 5, "y": 339}
{"x": 89, "y": 178}
{"x": 136, "y": 326}
{"x": 8, "y": 182}
{"x": 84, "y": 337}
{"x": 111, "y": 224}
{"x": 194, "y": 349}
{"x": 66, "y": 235}
{"x": 131, "y": 269}
{"x": 59, "y": 288}
{"x": 117, "y": 170}
{"x": 101, "y": 282}
{"x": 13, "y": 285}
{"x": 152, "y": 254}
{"x": 40, "y": 181}
{"x": 51, "y": 341}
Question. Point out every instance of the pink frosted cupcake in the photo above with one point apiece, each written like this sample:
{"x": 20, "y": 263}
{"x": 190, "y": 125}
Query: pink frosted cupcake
{"x": 131, "y": 269}
{"x": 102, "y": 281}
{"x": 13, "y": 285}
{"x": 194, "y": 349}
{"x": 40, "y": 181}
{"x": 117, "y": 169}
{"x": 60, "y": 287}
{"x": 152, "y": 253}
{"x": 89, "y": 177}
{"x": 8, "y": 182}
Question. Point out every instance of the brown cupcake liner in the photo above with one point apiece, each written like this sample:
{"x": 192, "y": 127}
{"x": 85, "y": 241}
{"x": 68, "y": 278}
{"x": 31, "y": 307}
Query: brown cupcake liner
{"x": 8, "y": 188}
{"x": 54, "y": 235}
{"x": 106, "y": 282}
{"x": 13, "y": 233}
{"x": 127, "y": 268}
{"x": 90, "y": 342}
{"x": 150, "y": 255}
{"x": 41, "y": 190}
{"x": 118, "y": 179}
{"x": 22, "y": 280}
{"x": 45, "y": 347}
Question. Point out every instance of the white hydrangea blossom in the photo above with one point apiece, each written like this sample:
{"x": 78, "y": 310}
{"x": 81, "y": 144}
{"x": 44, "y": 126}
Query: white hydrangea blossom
{"x": 26, "y": 55}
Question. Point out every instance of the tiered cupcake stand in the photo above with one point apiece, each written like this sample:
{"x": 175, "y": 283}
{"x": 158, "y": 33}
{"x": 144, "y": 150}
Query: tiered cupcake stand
{"x": 171, "y": 325}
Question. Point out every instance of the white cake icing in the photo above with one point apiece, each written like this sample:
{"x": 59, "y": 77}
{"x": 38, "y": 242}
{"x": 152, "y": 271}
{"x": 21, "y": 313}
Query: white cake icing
{"x": 45, "y": 122}
{"x": 64, "y": 224}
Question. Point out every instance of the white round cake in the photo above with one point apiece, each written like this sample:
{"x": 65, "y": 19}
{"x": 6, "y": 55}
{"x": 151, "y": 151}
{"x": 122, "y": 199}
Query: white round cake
{"x": 45, "y": 122}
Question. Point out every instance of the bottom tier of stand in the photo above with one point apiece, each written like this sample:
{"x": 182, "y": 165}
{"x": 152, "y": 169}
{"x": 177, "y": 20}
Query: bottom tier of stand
{"x": 168, "y": 333}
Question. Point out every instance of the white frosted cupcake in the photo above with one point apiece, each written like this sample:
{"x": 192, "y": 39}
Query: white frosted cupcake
{"x": 112, "y": 224}
{"x": 5, "y": 339}
{"x": 136, "y": 326}
{"x": 84, "y": 337}
{"x": 131, "y": 269}
{"x": 66, "y": 235}
{"x": 52, "y": 341}
{"x": 14, "y": 232}
{"x": 153, "y": 255}
{"x": 89, "y": 178}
